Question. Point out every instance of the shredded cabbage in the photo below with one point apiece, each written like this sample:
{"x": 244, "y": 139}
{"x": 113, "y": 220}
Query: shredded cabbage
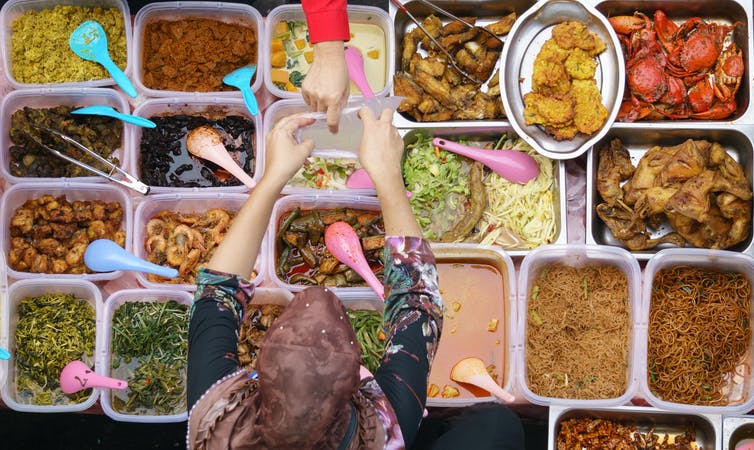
{"x": 439, "y": 183}
{"x": 516, "y": 216}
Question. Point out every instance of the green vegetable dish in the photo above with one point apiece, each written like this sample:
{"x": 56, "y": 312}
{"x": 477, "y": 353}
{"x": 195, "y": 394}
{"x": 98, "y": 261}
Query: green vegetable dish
{"x": 368, "y": 327}
{"x": 52, "y": 330}
{"x": 456, "y": 199}
{"x": 439, "y": 182}
{"x": 149, "y": 344}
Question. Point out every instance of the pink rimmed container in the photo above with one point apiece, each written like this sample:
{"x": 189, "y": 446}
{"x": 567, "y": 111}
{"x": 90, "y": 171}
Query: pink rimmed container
{"x": 18, "y": 194}
{"x": 81, "y": 289}
{"x": 194, "y": 202}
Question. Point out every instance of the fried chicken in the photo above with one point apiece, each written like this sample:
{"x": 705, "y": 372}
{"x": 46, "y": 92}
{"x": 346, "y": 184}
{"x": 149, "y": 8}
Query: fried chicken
{"x": 696, "y": 186}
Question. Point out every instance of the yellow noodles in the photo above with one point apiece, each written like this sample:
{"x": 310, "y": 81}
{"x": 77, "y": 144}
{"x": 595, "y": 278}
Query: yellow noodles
{"x": 699, "y": 333}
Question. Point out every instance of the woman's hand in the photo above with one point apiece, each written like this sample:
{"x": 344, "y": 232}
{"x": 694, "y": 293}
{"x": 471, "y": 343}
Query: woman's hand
{"x": 380, "y": 153}
{"x": 326, "y": 86}
{"x": 284, "y": 157}
{"x": 381, "y": 148}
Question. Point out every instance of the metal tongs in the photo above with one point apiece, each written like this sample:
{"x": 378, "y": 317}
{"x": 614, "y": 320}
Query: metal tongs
{"x": 450, "y": 57}
{"x": 116, "y": 174}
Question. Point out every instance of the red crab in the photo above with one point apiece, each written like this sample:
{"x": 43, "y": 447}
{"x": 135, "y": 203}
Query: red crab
{"x": 694, "y": 47}
{"x": 645, "y": 61}
{"x": 676, "y": 71}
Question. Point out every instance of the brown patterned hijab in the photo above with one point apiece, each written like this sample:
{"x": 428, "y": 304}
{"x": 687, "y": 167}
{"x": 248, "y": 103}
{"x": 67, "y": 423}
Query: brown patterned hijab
{"x": 306, "y": 395}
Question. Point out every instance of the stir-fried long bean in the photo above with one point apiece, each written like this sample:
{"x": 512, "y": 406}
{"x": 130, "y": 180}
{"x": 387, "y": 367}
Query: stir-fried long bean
{"x": 150, "y": 342}
{"x": 368, "y": 327}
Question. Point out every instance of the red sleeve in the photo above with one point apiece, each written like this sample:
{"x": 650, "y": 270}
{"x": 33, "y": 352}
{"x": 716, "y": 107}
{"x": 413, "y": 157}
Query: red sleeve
{"x": 327, "y": 20}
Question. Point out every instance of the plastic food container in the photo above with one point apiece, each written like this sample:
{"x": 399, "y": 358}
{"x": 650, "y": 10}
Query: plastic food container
{"x": 356, "y": 15}
{"x": 724, "y": 12}
{"x": 208, "y": 106}
{"x": 232, "y": 13}
{"x": 492, "y": 134}
{"x": 577, "y": 255}
{"x": 4, "y": 317}
{"x": 50, "y": 98}
{"x": 638, "y": 139}
{"x": 707, "y": 427}
{"x": 306, "y": 202}
{"x": 16, "y": 195}
{"x": 104, "y": 351}
{"x": 717, "y": 260}
{"x": 478, "y": 287}
{"x": 19, "y": 290}
{"x": 15, "y": 8}
{"x": 193, "y": 202}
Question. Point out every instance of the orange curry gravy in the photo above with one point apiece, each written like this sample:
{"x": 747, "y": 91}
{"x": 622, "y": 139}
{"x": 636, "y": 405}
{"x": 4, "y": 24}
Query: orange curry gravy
{"x": 482, "y": 292}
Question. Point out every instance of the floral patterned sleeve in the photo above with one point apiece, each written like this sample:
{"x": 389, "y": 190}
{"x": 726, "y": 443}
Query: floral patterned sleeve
{"x": 412, "y": 323}
{"x": 228, "y": 290}
{"x": 411, "y": 278}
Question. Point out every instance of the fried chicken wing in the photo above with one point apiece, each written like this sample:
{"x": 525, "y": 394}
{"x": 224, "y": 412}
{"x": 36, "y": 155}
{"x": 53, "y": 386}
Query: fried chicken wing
{"x": 645, "y": 176}
{"x": 614, "y": 167}
{"x": 406, "y": 87}
{"x": 689, "y": 160}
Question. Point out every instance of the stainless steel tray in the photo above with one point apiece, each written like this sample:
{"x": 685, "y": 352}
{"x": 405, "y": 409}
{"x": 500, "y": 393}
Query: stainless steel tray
{"x": 708, "y": 426}
{"x": 486, "y": 11}
{"x": 738, "y": 142}
{"x": 719, "y": 11}
{"x": 490, "y": 133}
{"x": 524, "y": 43}
{"x": 736, "y": 429}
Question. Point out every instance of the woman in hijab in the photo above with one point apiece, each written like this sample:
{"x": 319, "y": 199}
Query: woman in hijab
{"x": 307, "y": 392}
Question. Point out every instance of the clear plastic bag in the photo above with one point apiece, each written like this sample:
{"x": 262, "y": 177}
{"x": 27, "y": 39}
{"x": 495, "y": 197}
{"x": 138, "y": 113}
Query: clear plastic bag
{"x": 350, "y": 129}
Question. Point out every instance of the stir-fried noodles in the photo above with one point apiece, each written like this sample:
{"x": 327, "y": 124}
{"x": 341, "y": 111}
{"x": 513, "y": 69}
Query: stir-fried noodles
{"x": 577, "y": 332}
{"x": 699, "y": 333}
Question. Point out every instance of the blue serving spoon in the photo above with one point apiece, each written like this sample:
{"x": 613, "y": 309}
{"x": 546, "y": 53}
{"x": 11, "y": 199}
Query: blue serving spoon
{"x": 104, "y": 255}
{"x": 89, "y": 41}
{"x": 241, "y": 78}
{"x": 109, "y": 111}
{"x": 4, "y": 354}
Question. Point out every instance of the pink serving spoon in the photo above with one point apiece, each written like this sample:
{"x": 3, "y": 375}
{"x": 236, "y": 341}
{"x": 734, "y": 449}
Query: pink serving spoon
{"x": 341, "y": 240}
{"x": 359, "y": 179}
{"x": 77, "y": 376}
{"x": 206, "y": 143}
{"x": 512, "y": 165}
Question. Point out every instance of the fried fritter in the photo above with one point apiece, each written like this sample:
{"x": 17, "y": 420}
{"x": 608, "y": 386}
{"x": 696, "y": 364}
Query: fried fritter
{"x": 579, "y": 65}
{"x": 590, "y": 113}
{"x": 565, "y": 99}
{"x": 573, "y": 34}
{"x": 547, "y": 110}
